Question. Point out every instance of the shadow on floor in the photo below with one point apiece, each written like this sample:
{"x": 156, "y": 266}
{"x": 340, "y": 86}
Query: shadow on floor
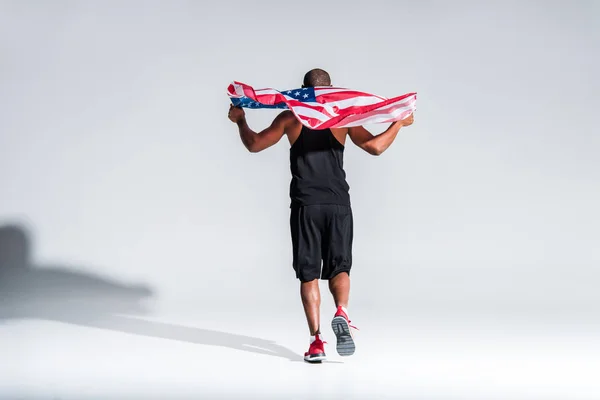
{"x": 59, "y": 293}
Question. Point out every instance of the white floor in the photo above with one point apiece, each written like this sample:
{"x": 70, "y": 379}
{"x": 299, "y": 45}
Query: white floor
{"x": 222, "y": 356}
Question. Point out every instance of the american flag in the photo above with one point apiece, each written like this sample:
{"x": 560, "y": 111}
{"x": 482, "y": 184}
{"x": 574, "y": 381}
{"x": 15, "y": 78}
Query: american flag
{"x": 325, "y": 107}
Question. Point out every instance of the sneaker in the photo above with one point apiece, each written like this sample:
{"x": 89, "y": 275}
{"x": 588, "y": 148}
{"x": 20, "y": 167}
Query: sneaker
{"x": 316, "y": 351}
{"x": 343, "y": 332}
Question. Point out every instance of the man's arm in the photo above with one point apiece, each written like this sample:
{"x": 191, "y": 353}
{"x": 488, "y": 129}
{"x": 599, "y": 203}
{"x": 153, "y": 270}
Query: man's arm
{"x": 260, "y": 141}
{"x": 376, "y": 145}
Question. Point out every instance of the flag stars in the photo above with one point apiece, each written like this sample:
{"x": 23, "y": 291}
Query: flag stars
{"x": 305, "y": 95}
{"x": 297, "y": 94}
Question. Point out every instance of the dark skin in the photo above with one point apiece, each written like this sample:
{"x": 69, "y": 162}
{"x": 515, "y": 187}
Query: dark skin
{"x": 287, "y": 124}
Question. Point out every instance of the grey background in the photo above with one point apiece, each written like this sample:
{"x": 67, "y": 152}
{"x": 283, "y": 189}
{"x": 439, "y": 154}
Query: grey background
{"x": 118, "y": 162}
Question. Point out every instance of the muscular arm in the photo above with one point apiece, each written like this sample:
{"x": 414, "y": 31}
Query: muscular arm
{"x": 264, "y": 139}
{"x": 377, "y": 144}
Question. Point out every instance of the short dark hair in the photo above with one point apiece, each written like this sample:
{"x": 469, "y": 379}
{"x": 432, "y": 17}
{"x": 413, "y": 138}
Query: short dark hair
{"x": 317, "y": 77}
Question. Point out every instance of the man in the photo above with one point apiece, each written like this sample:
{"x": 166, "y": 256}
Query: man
{"x": 321, "y": 217}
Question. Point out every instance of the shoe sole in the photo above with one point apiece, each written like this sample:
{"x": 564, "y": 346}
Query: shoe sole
{"x": 345, "y": 343}
{"x": 316, "y": 358}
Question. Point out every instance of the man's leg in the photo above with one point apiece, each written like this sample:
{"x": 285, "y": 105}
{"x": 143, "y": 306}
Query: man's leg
{"x": 306, "y": 226}
{"x": 339, "y": 286}
{"x": 338, "y": 256}
{"x": 311, "y": 300}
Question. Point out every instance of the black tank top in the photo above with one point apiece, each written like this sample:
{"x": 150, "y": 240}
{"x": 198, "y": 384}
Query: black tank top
{"x": 317, "y": 165}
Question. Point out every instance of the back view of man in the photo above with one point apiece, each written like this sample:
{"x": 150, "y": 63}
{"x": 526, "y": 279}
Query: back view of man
{"x": 321, "y": 221}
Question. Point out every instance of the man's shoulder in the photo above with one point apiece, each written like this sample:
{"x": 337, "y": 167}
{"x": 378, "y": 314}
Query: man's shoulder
{"x": 288, "y": 118}
{"x": 286, "y": 115}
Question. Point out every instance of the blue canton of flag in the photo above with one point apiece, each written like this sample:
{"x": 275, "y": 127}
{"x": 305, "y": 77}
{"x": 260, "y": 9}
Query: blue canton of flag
{"x": 249, "y": 103}
{"x": 304, "y": 94}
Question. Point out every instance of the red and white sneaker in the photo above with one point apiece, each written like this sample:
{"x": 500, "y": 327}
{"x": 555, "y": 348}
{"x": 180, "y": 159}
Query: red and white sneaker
{"x": 343, "y": 332}
{"x": 316, "y": 351}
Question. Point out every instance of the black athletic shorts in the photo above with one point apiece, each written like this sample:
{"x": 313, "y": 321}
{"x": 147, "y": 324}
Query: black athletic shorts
{"x": 322, "y": 232}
